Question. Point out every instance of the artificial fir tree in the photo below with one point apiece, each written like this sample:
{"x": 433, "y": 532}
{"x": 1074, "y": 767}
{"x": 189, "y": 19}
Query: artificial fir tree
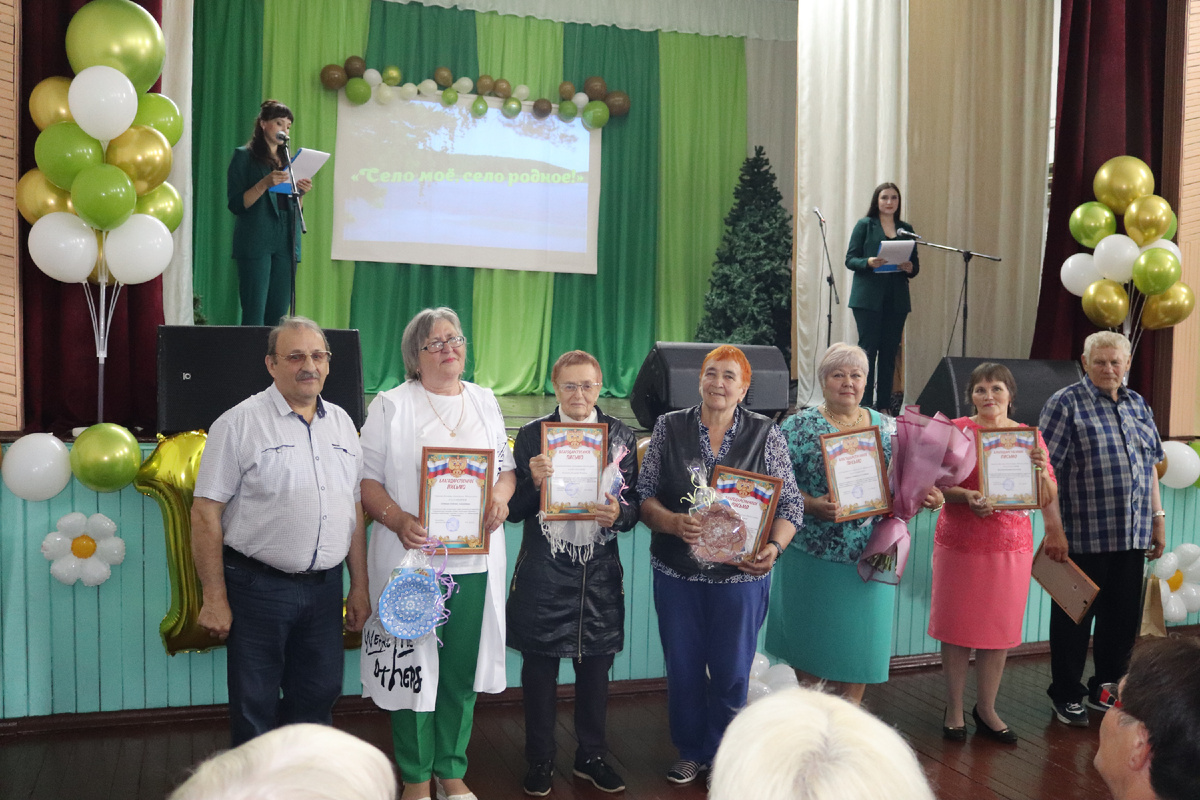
{"x": 749, "y": 299}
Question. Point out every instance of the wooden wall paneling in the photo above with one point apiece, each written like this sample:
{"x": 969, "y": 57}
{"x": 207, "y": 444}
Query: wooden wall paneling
{"x": 1181, "y": 187}
{"x": 12, "y": 415}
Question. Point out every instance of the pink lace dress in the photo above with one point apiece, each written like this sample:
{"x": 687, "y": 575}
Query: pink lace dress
{"x": 981, "y": 571}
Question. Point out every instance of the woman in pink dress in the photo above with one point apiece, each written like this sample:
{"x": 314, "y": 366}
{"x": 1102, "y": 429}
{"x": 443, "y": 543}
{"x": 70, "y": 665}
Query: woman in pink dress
{"x": 982, "y": 559}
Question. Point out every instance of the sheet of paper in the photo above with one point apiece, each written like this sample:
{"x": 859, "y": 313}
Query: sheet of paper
{"x": 305, "y": 164}
{"x": 895, "y": 254}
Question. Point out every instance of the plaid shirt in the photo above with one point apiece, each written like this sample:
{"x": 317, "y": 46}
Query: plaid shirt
{"x": 1104, "y": 453}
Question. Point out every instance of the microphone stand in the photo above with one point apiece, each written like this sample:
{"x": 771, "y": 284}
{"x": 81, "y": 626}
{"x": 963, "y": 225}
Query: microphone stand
{"x": 967, "y": 255}
{"x": 833, "y": 292}
{"x": 296, "y": 213}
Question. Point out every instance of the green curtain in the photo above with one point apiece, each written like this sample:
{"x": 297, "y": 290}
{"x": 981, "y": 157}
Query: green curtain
{"x": 227, "y": 61}
{"x": 702, "y": 144}
{"x": 511, "y": 328}
{"x": 611, "y": 314}
{"x": 418, "y": 39}
{"x": 297, "y": 40}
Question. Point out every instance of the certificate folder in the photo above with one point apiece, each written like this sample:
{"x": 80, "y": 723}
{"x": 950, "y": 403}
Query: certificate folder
{"x": 1066, "y": 583}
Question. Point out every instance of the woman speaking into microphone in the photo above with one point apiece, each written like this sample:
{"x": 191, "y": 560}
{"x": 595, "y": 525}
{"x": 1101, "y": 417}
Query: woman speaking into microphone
{"x": 263, "y": 229}
{"x": 879, "y": 294}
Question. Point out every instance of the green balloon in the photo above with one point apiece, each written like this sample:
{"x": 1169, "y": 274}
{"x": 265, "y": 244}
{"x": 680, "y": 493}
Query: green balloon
{"x": 1091, "y": 222}
{"x": 392, "y": 75}
{"x": 1195, "y": 445}
{"x": 594, "y": 115}
{"x": 511, "y": 108}
{"x": 106, "y": 457}
{"x": 103, "y": 196}
{"x": 479, "y": 107}
{"x": 118, "y": 34}
{"x": 449, "y": 97}
{"x": 567, "y": 110}
{"x": 63, "y": 150}
{"x": 1173, "y": 228}
{"x": 1155, "y": 271}
{"x": 163, "y": 203}
{"x": 160, "y": 112}
{"x": 358, "y": 91}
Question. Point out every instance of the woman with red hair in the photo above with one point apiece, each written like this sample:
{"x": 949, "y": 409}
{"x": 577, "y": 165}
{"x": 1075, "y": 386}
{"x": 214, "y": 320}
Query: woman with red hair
{"x": 709, "y": 614}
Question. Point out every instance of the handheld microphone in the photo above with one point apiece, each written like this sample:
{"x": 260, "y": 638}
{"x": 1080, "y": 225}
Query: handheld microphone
{"x": 905, "y": 232}
{"x": 817, "y": 211}
{"x": 282, "y": 137}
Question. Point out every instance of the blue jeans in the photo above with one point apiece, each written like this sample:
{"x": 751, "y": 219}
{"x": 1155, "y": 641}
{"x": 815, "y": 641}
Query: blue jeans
{"x": 286, "y": 636}
{"x": 713, "y": 627}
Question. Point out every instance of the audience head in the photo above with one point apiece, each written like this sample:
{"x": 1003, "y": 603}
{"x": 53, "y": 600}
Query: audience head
{"x": 1150, "y": 741}
{"x": 296, "y": 762}
{"x": 803, "y": 744}
{"x": 417, "y": 331}
{"x": 841, "y": 355}
{"x": 873, "y": 211}
{"x": 728, "y": 352}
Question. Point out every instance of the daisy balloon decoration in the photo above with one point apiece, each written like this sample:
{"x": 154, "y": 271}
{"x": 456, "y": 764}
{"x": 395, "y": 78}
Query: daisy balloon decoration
{"x": 1179, "y": 572}
{"x": 83, "y": 548}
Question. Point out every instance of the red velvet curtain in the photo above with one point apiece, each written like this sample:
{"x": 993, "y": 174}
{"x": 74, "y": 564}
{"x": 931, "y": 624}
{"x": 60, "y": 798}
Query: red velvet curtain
{"x": 60, "y": 356}
{"x": 1110, "y": 102}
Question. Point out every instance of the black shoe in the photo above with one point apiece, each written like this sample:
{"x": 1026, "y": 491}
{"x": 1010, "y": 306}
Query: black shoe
{"x": 539, "y": 778}
{"x": 602, "y": 776}
{"x": 1073, "y": 714}
{"x": 1005, "y": 736}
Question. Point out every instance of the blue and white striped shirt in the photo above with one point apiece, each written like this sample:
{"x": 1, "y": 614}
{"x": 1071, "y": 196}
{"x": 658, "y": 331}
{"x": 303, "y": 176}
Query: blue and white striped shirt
{"x": 1104, "y": 454}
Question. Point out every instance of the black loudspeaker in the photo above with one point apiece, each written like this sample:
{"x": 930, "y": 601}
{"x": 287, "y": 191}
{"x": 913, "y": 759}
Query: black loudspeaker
{"x": 946, "y": 390}
{"x": 205, "y": 370}
{"x": 670, "y": 379}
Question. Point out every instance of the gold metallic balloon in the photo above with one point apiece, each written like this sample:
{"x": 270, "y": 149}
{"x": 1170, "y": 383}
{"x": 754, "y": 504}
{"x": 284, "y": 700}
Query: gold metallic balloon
{"x": 143, "y": 154}
{"x": 1169, "y": 308}
{"x": 37, "y": 197}
{"x": 1106, "y": 303}
{"x": 163, "y": 203}
{"x": 1121, "y": 180}
{"x": 1148, "y": 218}
{"x": 48, "y": 102}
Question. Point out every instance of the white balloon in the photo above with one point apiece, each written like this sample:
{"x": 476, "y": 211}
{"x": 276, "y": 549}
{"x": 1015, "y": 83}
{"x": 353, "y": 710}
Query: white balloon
{"x": 464, "y": 85}
{"x": 67, "y": 569}
{"x": 372, "y": 77}
{"x": 1183, "y": 465}
{"x": 759, "y": 665}
{"x": 56, "y": 545}
{"x": 408, "y": 91}
{"x": 1115, "y": 255}
{"x": 1191, "y": 573}
{"x": 103, "y": 102}
{"x": 111, "y": 550}
{"x": 1190, "y": 594}
{"x": 521, "y": 92}
{"x": 100, "y": 527}
{"x": 756, "y": 690}
{"x": 63, "y": 246}
{"x": 1166, "y": 566}
{"x": 72, "y": 524}
{"x": 1173, "y": 608}
{"x": 37, "y": 466}
{"x": 580, "y": 100}
{"x": 1187, "y": 553}
{"x": 779, "y": 677}
{"x": 429, "y": 87}
{"x": 139, "y": 250}
{"x": 94, "y": 572}
{"x": 1078, "y": 273}
{"x": 1165, "y": 244}
{"x": 383, "y": 94}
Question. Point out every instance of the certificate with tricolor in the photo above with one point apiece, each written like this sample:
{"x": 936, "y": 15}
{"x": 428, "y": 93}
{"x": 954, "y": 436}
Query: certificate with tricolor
{"x": 753, "y": 497}
{"x": 858, "y": 483}
{"x": 1006, "y": 473}
{"x": 456, "y": 487}
{"x": 577, "y": 453}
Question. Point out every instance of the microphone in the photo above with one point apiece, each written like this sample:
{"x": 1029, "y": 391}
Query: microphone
{"x": 817, "y": 211}
{"x": 905, "y": 232}
{"x": 282, "y": 137}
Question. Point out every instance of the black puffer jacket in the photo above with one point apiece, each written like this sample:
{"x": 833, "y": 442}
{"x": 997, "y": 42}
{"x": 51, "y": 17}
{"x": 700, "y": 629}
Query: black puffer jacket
{"x": 556, "y": 606}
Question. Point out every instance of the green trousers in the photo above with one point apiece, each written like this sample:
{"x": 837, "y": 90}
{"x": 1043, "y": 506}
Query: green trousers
{"x": 428, "y": 743}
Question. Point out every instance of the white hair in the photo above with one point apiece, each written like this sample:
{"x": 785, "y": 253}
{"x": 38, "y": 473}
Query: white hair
{"x": 804, "y": 744}
{"x": 1101, "y": 340}
{"x": 295, "y": 762}
{"x": 839, "y": 356}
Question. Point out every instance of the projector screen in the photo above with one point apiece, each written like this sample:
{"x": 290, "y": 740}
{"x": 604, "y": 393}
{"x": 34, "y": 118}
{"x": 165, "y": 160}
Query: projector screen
{"x": 419, "y": 183}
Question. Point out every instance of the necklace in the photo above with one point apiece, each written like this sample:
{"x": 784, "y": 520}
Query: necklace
{"x": 461, "y": 414}
{"x": 841, "y": 425}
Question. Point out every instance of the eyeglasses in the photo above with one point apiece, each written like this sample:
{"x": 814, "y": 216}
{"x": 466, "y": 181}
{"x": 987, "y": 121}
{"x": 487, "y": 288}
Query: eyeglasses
{"x": 571, "y": 388}
{"x": 318, "y": 357}
{"x": 437, "y": 345}
{"x": 1109, "y": 695}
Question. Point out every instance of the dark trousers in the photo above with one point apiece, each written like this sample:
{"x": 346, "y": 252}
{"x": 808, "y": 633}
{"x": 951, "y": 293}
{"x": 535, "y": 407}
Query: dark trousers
{"x": 286, "y": 635}
{"x": 539, "y": 682}
{"x": 879, "y": 334}
{"x": 265, "y": 288}
{"x": 709, "y": 632}
{"x": 1117, "y": 612}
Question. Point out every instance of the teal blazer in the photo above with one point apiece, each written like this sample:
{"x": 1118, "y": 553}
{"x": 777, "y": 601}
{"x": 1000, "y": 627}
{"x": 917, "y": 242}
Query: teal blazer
{"x": 261, "y": 229}
{"x": 871, "y": 289}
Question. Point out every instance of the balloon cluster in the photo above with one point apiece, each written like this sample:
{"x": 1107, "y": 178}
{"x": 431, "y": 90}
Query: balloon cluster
{"x": 98, "y": 200}
{"x": 1130, "y": 279}
{"x": 1179, "y": 571}
{"x": 765, "y": 679}
{"x": 105, "y": 458}
{"x": 594, "y": 105}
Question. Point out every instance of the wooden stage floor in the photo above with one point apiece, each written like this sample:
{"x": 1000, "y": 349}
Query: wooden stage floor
{"x": 144, "y": 762}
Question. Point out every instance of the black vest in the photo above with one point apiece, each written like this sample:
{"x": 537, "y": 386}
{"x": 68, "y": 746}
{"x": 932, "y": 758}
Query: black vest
{"x": 681, "y": 446}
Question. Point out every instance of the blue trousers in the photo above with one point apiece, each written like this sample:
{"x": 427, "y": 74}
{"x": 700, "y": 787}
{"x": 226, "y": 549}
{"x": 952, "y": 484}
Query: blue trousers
{"x": 286, "y": 637}
{"x": 713, "y": 627}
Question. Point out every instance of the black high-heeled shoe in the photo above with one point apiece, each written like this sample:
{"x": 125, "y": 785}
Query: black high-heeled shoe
{"x": 958, "y": 734}
{"x": 1005, "y": 736}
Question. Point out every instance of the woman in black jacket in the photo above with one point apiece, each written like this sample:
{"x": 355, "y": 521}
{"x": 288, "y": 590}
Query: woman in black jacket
{"x": 566, "y": 598}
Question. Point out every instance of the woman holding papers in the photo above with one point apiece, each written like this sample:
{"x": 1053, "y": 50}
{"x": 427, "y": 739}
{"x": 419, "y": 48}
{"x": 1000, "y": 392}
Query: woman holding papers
{"x": 879, "y": 294}
{"x": 430, "y": 689}
{"x": 982, "y": 559}
{"x": 263, "y": 230}
{"x": 709, "y": 614}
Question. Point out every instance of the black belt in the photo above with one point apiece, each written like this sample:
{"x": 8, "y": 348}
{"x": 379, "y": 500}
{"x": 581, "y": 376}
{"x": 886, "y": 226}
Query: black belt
{"x": 239, "y": 559}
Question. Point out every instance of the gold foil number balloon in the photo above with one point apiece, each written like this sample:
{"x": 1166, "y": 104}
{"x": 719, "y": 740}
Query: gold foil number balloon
{"x": 1169, "y": 308}
{"x": 1121, "y": 180}
{"x": 1106, "y": 303}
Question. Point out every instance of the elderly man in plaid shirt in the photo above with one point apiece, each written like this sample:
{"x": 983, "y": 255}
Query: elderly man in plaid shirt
{"x": 1103, "y": 445}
